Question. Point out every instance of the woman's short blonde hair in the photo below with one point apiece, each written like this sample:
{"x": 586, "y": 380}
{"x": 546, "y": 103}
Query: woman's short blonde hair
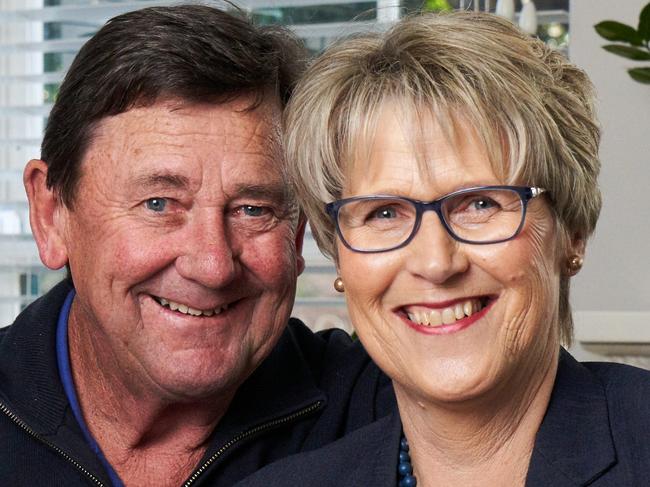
{"x": 532, "y": 109}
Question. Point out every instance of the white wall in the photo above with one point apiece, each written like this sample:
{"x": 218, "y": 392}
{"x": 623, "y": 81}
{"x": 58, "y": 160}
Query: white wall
{"x": 617, "y": 269}
{"x": 616, "y": 276}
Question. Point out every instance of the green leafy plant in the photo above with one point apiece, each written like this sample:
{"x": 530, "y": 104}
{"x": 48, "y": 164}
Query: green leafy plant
{"x": 632, "y": 43}
{"x": 437, "y": 5}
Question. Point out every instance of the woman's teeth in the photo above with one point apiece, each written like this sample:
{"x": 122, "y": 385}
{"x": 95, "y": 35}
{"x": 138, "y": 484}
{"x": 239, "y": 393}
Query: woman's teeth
{"x": 445, "y": 316}
{"x": 187, "y": 310}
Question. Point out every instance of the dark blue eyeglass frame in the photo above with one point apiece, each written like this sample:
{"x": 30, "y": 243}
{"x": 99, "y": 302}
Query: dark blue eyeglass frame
{"x": 526, "y": 193}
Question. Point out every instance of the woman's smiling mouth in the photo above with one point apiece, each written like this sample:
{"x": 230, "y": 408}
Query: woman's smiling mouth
{"x": 449, "y": 318}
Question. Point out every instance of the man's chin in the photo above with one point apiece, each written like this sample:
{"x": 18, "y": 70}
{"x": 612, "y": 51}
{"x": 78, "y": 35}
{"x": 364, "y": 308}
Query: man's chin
{"x": 190, "y": 382}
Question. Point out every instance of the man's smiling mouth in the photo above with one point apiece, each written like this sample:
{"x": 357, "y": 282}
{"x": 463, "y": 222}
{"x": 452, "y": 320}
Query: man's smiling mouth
{"x": 188, "y": 310}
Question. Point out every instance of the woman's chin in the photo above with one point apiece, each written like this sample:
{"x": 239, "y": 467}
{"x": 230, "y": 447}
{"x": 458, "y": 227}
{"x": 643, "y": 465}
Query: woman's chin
{"x": 451, "y": 390}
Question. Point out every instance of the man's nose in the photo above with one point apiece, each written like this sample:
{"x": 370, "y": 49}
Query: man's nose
{"x": 434, "y": 255}
{"x": 209, "y": 256}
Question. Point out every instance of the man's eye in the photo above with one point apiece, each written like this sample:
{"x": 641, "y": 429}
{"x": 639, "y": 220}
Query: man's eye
{"x": 156, "y": 204}
{"x": 254, "y": 219}
{"x": 250, "y": 210}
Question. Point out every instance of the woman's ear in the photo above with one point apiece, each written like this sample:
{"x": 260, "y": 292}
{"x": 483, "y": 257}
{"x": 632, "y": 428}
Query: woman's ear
{"x": 577, "y": 246}
{"x": 45, "y": 215}
{"x": 575, "y": 253}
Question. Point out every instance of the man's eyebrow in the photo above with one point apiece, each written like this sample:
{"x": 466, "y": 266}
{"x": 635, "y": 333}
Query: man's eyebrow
{"x": 274, "y": 192}
{"x": 162, "y": 180}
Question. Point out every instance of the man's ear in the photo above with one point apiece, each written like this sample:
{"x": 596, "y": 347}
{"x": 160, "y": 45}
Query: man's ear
{"x": 300, "y": 238}
{"x": 44, "y": 216}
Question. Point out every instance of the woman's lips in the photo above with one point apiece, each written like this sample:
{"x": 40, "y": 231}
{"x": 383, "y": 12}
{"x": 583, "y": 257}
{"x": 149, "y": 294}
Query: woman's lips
{"x": 448, "y": 319}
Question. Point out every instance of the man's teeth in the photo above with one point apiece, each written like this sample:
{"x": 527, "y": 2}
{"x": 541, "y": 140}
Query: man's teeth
{"x": 187, "y": 310}
{"x": 446, "y": 316}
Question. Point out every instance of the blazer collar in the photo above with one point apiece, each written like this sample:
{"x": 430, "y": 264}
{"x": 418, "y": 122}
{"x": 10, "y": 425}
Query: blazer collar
{"x": 574, "y": 444}
{"x": 371, "y": 452}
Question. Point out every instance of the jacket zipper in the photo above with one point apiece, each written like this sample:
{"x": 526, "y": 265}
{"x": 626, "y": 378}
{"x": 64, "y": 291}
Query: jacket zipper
{"x": 241, "y": 436}
{"x": 246, "y": 434}
{"x": 35, "y": 435}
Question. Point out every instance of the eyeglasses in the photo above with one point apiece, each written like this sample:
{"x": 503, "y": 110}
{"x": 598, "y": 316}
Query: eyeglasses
{"x": 480, "y": 215}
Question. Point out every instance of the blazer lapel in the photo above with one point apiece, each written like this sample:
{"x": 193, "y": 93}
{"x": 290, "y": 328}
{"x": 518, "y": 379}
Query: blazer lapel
{"x": 574, "y": 444}
{"x": 381, "y": 452}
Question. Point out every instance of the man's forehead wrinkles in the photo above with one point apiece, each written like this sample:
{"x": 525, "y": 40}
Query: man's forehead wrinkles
{"x": 267, "y": 149}
{"x": 258, "y": 127}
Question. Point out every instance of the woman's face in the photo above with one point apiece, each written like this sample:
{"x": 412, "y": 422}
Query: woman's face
{"x": 513, "y": 338}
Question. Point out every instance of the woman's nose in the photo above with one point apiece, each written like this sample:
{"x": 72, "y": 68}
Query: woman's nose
{"x": 434, "y": 255}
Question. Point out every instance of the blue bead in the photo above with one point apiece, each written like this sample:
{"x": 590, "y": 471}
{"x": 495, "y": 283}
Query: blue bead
{"x": 404, "y": 444}
{"x": 408, "y": 481}
{"x": 405, "y": 468}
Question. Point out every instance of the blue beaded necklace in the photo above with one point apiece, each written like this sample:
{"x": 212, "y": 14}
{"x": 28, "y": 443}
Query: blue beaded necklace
{"x": 404, "y": 467}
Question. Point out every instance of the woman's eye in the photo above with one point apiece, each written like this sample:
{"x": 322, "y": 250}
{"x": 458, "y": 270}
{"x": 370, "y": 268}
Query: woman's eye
{"x": 384, "y": 213}
{"x": 156, "y": 204}
{"x": 483, "y": 204}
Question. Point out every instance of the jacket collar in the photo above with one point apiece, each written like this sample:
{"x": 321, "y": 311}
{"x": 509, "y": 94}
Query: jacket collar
{"x": 30, "y": 385}
{"x": 31, "y": 388}
{"x": 30, "y": 382}
{"x": 281, "y": 386}
{"x": 574, "y": 444}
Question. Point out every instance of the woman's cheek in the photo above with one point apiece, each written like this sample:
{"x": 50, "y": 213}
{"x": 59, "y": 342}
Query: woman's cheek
{"x": 531, "y": 310}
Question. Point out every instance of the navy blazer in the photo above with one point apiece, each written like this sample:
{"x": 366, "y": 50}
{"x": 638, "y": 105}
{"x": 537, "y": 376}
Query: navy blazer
{"x": 596, "y": 432}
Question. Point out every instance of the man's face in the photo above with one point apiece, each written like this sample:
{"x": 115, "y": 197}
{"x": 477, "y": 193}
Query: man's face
{"x": 183, "y": 246}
